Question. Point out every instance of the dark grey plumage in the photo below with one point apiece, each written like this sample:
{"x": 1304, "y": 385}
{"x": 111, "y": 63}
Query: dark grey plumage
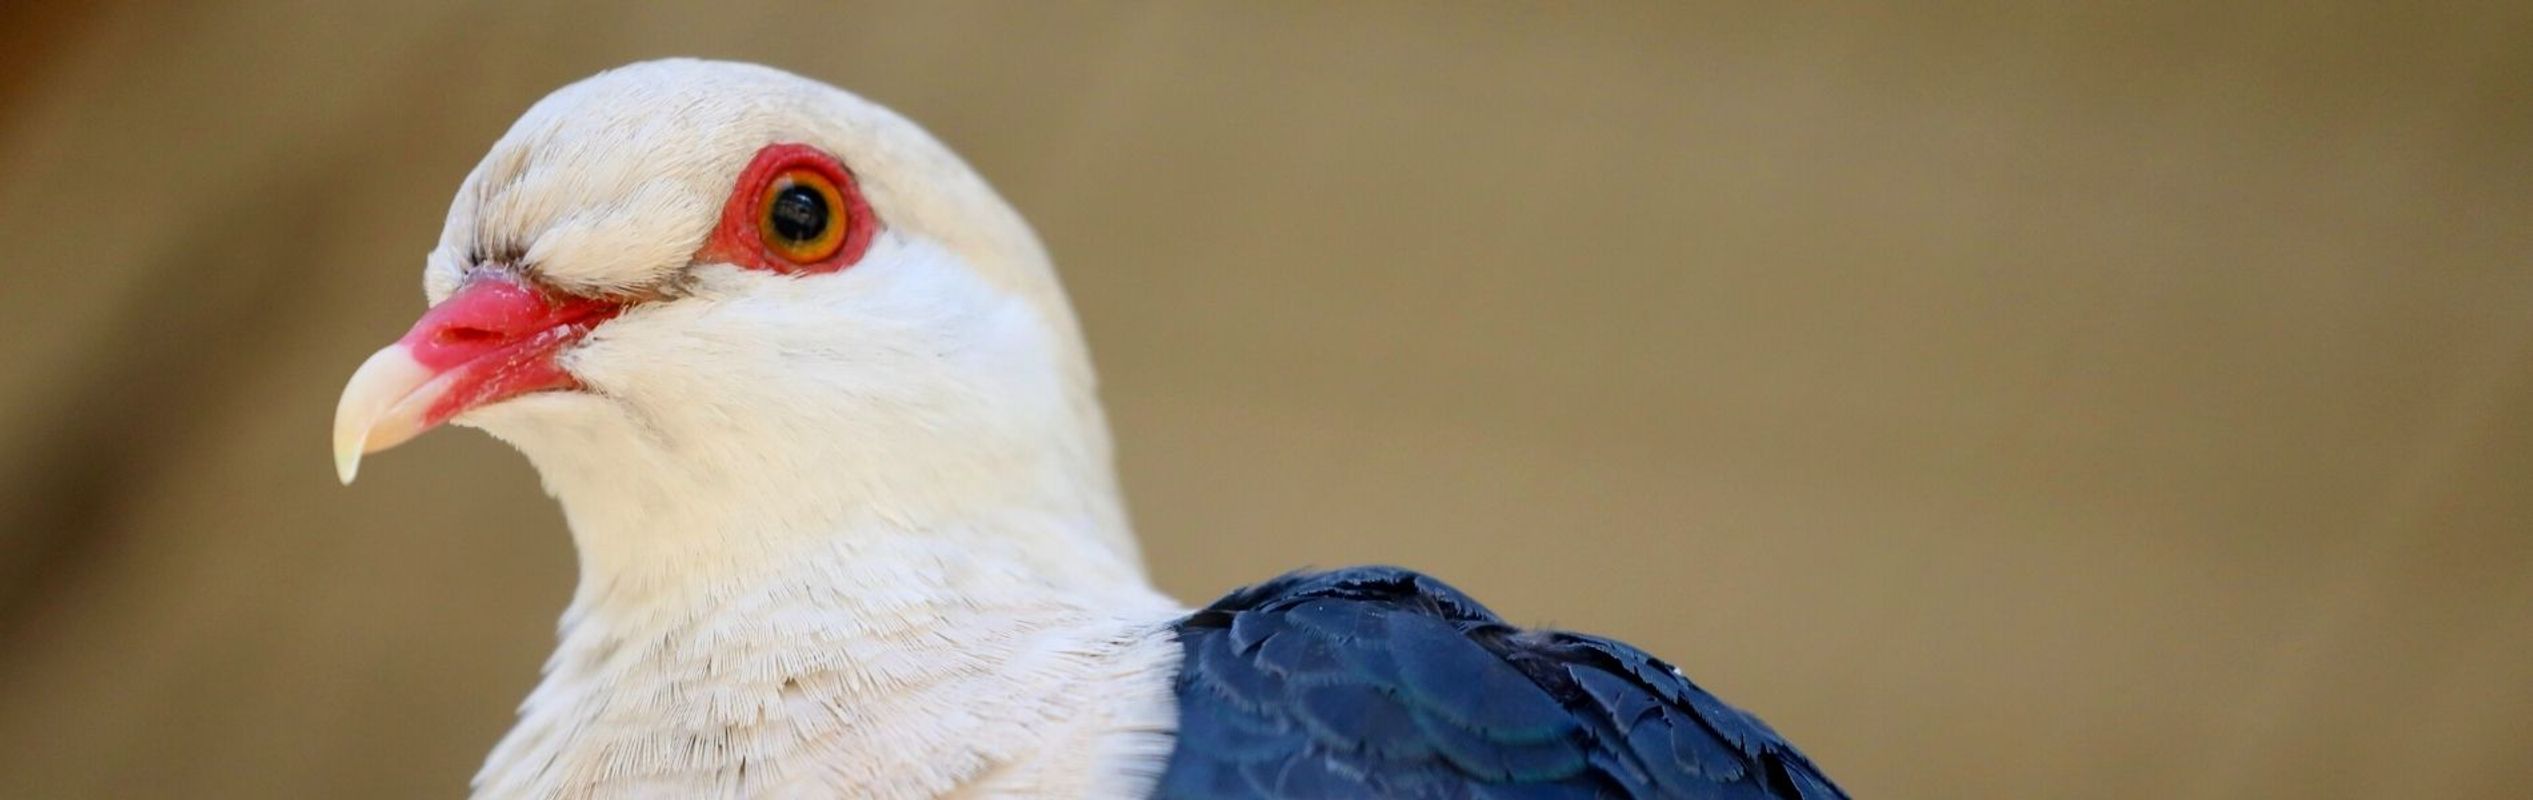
{"x": 1381, "y": 682}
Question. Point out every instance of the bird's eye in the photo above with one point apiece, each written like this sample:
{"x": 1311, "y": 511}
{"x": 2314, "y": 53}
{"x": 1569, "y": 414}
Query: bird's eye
{"x": 795, "y": 210}
{"x": 801, "y": 216}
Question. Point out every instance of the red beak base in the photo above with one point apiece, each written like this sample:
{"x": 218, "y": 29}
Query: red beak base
{"x": 496, "y": 338}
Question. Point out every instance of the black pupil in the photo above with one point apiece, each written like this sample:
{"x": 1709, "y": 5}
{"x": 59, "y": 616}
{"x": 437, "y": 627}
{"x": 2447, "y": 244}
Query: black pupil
{"x": 799, "y": 214}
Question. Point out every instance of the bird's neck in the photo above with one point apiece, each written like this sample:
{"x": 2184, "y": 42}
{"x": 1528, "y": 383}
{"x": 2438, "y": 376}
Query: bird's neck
{"x": 674, "y": 515}
{"x": 971, "y": 610}
{"x": 668, "y": 519}
{"x": 647, "y": 567}
{"x": 834, "y": 645}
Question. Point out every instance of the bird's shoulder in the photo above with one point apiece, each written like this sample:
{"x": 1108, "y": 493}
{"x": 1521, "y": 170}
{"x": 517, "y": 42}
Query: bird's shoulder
{"x": 1382, "y": 682}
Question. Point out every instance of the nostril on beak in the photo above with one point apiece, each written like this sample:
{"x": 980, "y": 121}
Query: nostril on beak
{"x": 465, "y": 334}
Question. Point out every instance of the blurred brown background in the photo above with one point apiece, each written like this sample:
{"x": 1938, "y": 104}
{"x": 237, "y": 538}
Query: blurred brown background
{"x": 2049, "y": 401}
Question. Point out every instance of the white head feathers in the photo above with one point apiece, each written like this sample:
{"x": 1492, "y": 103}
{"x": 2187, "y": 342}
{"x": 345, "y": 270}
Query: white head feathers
{"x": 941, "y": 375}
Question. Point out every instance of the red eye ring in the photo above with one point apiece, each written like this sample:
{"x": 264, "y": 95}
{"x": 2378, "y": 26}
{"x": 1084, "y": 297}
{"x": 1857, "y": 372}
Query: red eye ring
{"x": 795, "y": 210}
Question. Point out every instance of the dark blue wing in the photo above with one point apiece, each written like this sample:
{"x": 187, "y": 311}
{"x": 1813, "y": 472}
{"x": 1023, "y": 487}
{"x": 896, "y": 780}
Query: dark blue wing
{"x": 1380, "y": 682}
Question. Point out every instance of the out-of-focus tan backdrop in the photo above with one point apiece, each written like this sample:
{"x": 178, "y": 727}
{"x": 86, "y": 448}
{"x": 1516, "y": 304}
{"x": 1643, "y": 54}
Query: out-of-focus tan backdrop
{"x": 2062, "y": 401}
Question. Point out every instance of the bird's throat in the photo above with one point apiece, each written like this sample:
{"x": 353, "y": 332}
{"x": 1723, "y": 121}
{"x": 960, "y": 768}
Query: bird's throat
{"x": 668, "y": 511}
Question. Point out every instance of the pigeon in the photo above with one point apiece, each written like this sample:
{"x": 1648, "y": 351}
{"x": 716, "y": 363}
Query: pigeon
{"x": 825, "y": 432}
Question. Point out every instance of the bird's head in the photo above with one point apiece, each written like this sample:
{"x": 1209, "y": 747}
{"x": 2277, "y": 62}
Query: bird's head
{"x": 687, "y": 279}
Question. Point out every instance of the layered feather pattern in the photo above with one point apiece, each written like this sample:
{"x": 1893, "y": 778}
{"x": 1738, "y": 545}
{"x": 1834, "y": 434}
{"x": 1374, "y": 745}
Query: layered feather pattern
{"x": 1380, "y": 682}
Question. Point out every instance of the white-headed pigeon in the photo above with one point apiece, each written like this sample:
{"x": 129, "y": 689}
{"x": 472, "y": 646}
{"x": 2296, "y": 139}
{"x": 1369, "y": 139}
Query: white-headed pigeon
{"x": 826, "y": 436}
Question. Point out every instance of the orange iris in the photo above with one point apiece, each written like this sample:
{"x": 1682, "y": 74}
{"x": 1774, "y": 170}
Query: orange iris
{"x": 801, "y": 216}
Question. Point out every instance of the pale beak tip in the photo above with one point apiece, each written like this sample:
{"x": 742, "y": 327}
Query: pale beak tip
{"x": 347, "y": 463}
{"x": 381, "y": 407}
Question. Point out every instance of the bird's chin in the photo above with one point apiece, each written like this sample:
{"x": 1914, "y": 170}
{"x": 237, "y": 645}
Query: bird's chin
{"x": 536, "y": 421}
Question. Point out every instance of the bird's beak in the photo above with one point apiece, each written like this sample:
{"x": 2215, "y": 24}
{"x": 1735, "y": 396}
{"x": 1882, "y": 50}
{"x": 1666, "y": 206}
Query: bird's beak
{"x": 496, "y": 338}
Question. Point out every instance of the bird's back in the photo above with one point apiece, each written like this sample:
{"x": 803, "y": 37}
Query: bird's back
{"x": 1380, "y": 682}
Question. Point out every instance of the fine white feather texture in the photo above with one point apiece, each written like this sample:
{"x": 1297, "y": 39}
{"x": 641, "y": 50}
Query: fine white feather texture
{"x": 843, "y": 535}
